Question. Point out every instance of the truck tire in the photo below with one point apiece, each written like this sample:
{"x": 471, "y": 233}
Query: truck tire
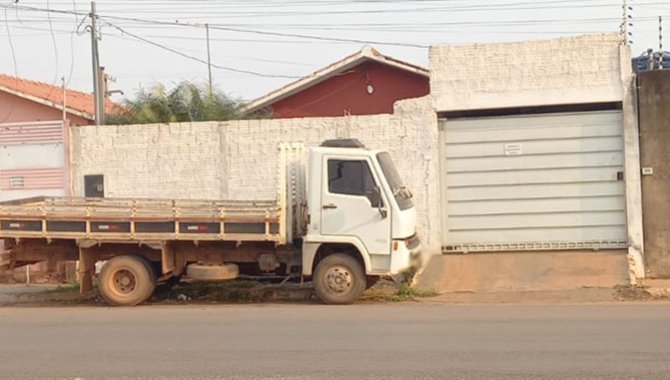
{"x": 205, "y": 272}
{"x": 339, "y": 279}
{"x": 127, "y": 281}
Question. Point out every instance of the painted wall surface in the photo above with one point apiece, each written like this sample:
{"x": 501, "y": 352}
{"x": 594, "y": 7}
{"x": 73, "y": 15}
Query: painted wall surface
{"x": 239, "y": 160}
{"x": 14, "y": 109}
{"x": 179, "y": 160}
{"x": 584, "y": 69}
{"x": 32, "y": 160}
{"x": 347, "y": 93}
{"x": 654, "y": 116}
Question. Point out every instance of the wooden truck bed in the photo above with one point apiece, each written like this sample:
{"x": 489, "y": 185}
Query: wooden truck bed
{"x": 127, "y": 220}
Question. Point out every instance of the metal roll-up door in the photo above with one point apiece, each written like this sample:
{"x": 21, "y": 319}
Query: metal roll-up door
{"x": 536, "y": 182}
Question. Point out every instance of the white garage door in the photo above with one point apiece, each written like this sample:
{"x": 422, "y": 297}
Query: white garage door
{"x": 533, "y": 182}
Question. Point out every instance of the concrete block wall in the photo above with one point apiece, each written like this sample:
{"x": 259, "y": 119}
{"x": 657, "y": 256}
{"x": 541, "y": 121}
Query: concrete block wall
{"x": 239, "y": 159}
{"x": 180, "y": 160}
{"x": 583, "y": 69}
{"x": 253, "y": 146}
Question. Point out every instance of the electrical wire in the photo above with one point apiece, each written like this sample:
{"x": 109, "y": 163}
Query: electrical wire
{"x": 11, "y": 46}
{"x": 74, "y": 31}
{"x": 254, "y": 29}
{"x": 515, "y": 6}
{"x": 152, "y": 14}
{"x": 177, "y": 52}
{"x": 311, "y": 37}
{"x": 319, "y": 38}
{"x": 55, "y": 45}
{"x": 16, "y": 67}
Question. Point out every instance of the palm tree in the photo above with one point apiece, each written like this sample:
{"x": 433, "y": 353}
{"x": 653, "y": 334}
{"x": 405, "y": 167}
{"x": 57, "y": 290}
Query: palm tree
{"x": 186, "y": 102}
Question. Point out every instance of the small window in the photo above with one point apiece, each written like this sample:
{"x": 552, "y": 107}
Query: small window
{"x": 16, "y": 183}
{"x": 94, "y": 186}
{"x": 351, "y": 177}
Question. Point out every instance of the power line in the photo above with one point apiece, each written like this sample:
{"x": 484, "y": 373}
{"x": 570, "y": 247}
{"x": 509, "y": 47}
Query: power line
{"x": 16, "y": 68}
{"x": 389, "y": 27}
{"x": 515, "y": 6}
{"x": 312, "y": 37}
{"x": 331, "y": 26}
{"x": 11, "y": 46}
{"x": 74, "y": 31}
{"x": 212, "y": 8}
{"x": 55, "y": 45}
{"x": 174, "y": 51}
{"x": 319, "y": 38}
{"x": 98, "y": 80}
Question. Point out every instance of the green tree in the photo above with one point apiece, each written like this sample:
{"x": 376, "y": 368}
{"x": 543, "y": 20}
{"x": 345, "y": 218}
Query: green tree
{"x": 185, "y": 102}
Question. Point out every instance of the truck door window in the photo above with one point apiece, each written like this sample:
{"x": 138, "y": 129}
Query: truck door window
{"x": 350, "y": 177}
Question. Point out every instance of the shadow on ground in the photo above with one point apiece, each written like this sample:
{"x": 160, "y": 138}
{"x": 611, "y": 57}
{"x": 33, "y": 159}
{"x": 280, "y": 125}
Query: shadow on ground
{"x": 230, "y": 292}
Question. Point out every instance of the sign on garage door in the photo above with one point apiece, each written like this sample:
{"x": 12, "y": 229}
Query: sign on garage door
{"x": 533, "y": 182}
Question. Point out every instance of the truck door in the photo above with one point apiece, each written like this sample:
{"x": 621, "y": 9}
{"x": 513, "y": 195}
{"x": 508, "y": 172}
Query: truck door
{"x": 347, "y": 203}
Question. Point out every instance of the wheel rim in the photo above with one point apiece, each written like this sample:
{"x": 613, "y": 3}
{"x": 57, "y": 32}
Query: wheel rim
{"x": 339, "y": 279}
{"x": 124, "y": 282}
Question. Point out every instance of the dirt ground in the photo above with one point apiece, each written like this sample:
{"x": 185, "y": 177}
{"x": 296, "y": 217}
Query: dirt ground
{"x": 238, "y": 291}
{"x": 249, "y": 292}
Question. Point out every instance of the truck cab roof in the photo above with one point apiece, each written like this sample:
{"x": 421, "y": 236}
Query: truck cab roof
{"x": 343, "y": 143}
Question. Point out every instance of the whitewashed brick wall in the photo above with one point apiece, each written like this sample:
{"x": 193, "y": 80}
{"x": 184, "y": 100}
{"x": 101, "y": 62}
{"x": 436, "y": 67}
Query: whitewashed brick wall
{"x": 239, "y": 159}
{"x": 163, "y": 161}
{"x": 582, "y": 69}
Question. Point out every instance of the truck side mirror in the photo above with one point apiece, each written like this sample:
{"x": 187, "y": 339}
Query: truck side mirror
{"x": 375, "y": 197}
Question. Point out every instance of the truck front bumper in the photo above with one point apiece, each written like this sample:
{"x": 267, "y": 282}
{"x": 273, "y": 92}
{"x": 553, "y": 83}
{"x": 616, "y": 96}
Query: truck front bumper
{"x": 406, "y": 255}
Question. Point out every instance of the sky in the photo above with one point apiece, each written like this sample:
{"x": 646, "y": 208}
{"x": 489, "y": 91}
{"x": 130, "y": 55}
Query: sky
{"x": 258, "y": 46}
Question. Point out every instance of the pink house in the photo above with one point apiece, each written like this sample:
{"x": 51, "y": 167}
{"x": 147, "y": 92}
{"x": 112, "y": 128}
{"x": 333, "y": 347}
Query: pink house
{"x": 23, "y": 100}
{"x": 34, "y": 124}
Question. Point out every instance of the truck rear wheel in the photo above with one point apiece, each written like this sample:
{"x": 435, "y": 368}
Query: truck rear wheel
{"x": 339, "y": 279}
{"x": 127, "y": 281}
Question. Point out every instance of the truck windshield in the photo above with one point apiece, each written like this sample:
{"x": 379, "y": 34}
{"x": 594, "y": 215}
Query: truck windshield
{"x": 401, "y": 194}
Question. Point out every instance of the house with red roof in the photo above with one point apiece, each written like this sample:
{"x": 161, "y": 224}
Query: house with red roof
{"x": 34, "y": 121}
{"x": 33, "y": 138}
{"x": 24, "y": 100}
{"x": 364, "y": 83}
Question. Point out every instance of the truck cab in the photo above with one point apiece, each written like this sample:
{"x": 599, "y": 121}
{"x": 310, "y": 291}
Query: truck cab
{"x": 362, "y": 220}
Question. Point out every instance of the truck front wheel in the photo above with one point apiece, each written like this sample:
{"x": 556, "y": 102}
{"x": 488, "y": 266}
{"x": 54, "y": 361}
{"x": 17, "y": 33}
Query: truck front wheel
{"x": 339, "y": 279}
{"x": 127, "y": 281}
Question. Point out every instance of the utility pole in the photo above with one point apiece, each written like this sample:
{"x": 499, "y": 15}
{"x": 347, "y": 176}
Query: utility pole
{"x": 209, "y": 61}
{"x": 98, "y": 94}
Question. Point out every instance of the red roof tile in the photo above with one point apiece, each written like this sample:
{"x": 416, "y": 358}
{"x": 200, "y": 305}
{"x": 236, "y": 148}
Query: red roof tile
{"x": 77, "y": 101}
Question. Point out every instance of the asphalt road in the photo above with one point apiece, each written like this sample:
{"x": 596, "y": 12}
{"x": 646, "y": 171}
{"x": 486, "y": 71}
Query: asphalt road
{"x": 403, "y": 341}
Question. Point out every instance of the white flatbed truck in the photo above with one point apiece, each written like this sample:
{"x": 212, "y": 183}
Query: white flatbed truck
{"x": 351, "y": 222}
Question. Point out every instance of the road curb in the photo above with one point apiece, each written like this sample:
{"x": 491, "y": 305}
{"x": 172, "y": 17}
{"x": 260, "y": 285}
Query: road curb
{"x": 6, "y": 300}
{"x": 659, "y": 292}
{"x": 43, "y": 296}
